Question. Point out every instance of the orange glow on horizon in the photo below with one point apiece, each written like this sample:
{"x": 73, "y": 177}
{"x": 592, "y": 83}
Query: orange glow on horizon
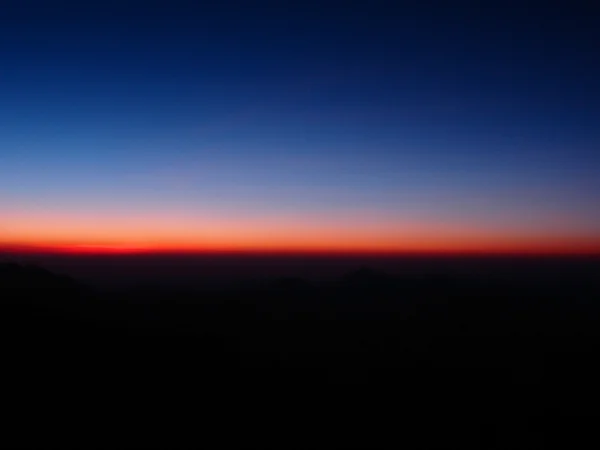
{"x": 336, "y": 234}
{"x": 451, "y": 248}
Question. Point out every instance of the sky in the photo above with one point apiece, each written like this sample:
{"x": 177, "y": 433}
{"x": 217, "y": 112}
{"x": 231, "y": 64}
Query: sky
{"x": 300, "y": 126}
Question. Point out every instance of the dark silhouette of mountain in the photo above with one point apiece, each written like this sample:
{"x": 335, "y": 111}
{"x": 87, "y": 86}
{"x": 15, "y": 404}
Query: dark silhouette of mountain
{"x": 26, "y": 277}
{"x": 372, "y": 360}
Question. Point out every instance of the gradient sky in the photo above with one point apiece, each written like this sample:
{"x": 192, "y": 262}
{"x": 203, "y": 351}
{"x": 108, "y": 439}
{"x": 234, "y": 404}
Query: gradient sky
{"x": 359, "y": 126}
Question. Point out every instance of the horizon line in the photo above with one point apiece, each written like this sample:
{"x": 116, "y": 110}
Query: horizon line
{"x": 108, "y": 250}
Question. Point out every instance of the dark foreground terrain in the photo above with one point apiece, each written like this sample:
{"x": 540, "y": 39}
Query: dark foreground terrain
{"x": 365, "y": 361}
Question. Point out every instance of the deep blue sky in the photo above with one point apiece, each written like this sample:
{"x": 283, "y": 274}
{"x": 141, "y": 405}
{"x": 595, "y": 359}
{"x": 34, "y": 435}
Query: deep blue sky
{"x": 480, "y": 117}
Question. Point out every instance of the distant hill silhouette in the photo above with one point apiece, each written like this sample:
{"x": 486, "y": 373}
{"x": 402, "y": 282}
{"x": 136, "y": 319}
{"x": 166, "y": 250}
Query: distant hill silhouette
{"x": 369, "y": 360}
{"x": 20, "y": 276}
